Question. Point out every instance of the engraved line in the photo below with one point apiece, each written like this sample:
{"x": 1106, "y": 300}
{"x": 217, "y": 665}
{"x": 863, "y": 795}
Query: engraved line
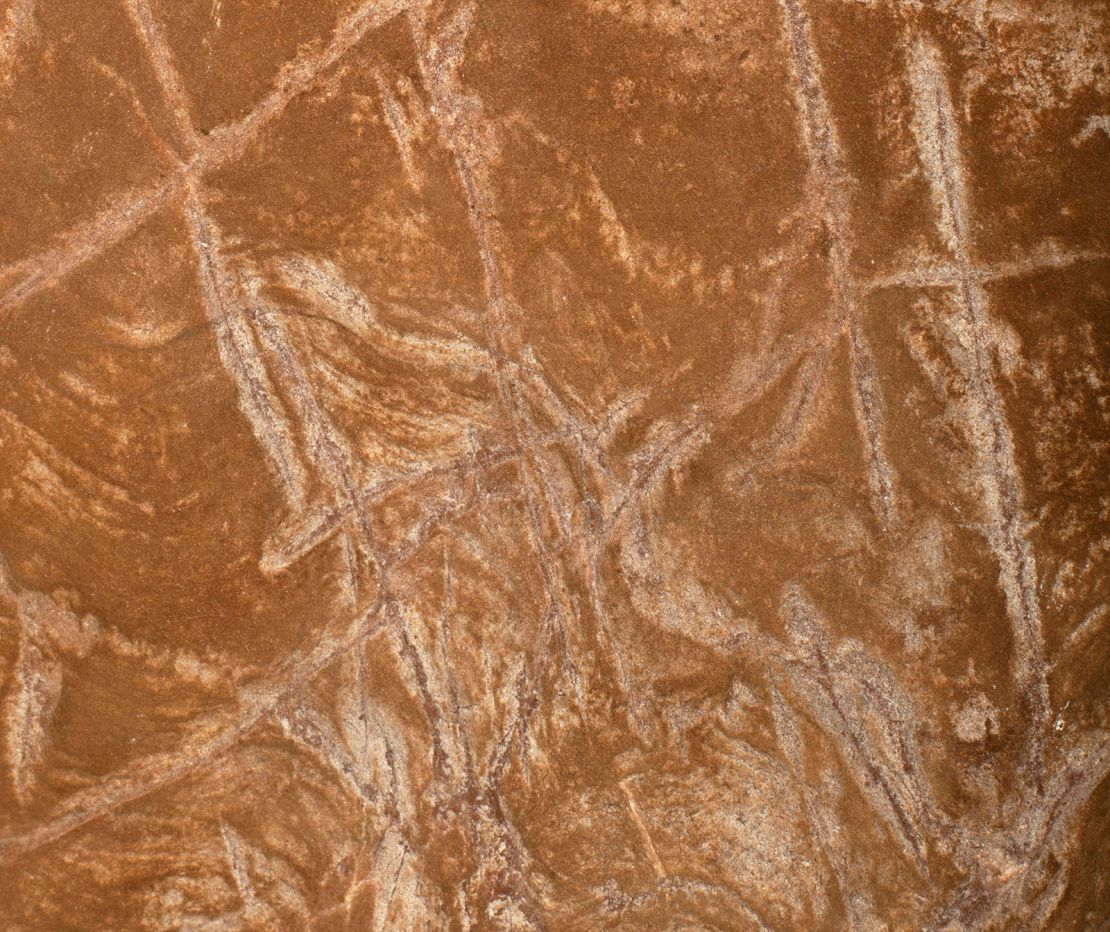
{"x": 828, "y": 172}
{"x": 255, "y": 704}
{"x": 161, "y": 60}
{"x": 92, "y": 238}
{"x": 326, "y": 448}
{"x": 942, "y": 274}
{"x": 460, "y": 140}
{"x": 936, "y": 129}
{"x": 235, "y": 343}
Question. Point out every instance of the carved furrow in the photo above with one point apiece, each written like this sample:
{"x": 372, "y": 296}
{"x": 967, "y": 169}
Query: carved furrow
{"x": 323, "y": 522}
{"x": 571, "y": 612}
{"x": 442, "y": 689}
{"x": 641, "y": 827}
{"x": 1091, "y": 623}
{"x": 681, "y": 443}
{"x": 400, "y": 129}
{"x": 138, "y": 108}
{"x": 27, "y": 277}
{"x": 446, "y": 761}
{"x": 453, "y": 763}
{"x": 254, "y": 909}
{"x": 105, "y": 501}
{"x": 210, "y": 742}
{"x": 1041, "y": 830}
{"x": 216, "y": 737}
{"x": 936, "y": 129}
{"x": 241, "y": 358}
{"x": 790, "y": 425}
{"x": 224, "y": 295}
{"x": 161, "y": 60}
{"x": 653, "y": 463}
{"x": 822, "y": 824}
{"x": 298, "y": 77}
{"x": 678, "y": 886}
{"x": 324, "y": 286}
{"x": 939, "y": 273}
{"x": 326, "y": 449}
{"x": 462, "y": 139}
{"x": 818, "y": 684}
{"x": 393, "y": 856}
{"x": 311, "y": 728}
{"x": 452, "y": 758}
{"x": 27, "y": 713}
{"x": 830, "y": 177}
{"x": 47, "y": 636}
{"x": 1067, "y": 793}
{"x": 225, "y": 144}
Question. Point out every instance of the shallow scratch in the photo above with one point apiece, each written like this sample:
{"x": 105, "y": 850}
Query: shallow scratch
{"x": 830, "y": 176}
{"x": 93, "y": 237}
{"x": 645, "y": 835}
{"x": 935, "y": 126}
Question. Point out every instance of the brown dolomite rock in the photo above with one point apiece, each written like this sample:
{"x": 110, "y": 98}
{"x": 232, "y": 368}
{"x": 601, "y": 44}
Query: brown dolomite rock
{"x": 554, "y": 465}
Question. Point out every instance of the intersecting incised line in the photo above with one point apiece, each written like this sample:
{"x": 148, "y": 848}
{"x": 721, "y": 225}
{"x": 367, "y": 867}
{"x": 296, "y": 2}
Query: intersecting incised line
{"x": 462, "y": 139}
{"x": 245, "y": 327}
{"x": 254, "y": 705}
{"x": 326, "y": 449}
{"x": 225, "y": 295}
{"x": 829, "y": 177}
{"x": 936, "y": 129}
{"x": 224, "y": 145}
{"x": 940, "y": 273}
{"x": 808, "y": 350}
{"x": 240, "y": 355}
{"x": 164, "y": 770}
{"x": 439, "y": 56}
{"x": 324, "y": 521}
{"x": 154, "y": 773}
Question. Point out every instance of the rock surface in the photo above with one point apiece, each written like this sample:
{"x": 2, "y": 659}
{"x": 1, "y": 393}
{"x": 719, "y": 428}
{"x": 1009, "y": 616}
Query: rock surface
{"x": 554, "y": 465}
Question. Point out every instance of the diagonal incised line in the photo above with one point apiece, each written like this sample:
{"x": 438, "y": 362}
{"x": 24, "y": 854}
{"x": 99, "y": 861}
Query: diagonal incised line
{"x": 459, "y": 139}
{"x": 936, "y": 129}
{"x": 323, "y": 523}
{"x": 326, "y": 449}
{"x": 224, "y": 295}
{"x": 460, "y": 135}
{"x": 84, "y": 243}
{"x": 161, "y": 60}
{"x": 155, "y": 773}
{"x": 221, "y": 292}
{"x": 829, "y": 174}
{"x": 237, "y": 347}
{"x": 253, "y": 707}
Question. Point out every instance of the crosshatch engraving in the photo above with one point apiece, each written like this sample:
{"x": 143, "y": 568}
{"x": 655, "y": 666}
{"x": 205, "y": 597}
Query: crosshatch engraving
{"x": 573, "y": 466}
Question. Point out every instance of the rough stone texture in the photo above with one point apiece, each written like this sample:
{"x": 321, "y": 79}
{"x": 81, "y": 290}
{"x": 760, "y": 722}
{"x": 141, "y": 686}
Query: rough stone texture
{"x": 595, "y": 464}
